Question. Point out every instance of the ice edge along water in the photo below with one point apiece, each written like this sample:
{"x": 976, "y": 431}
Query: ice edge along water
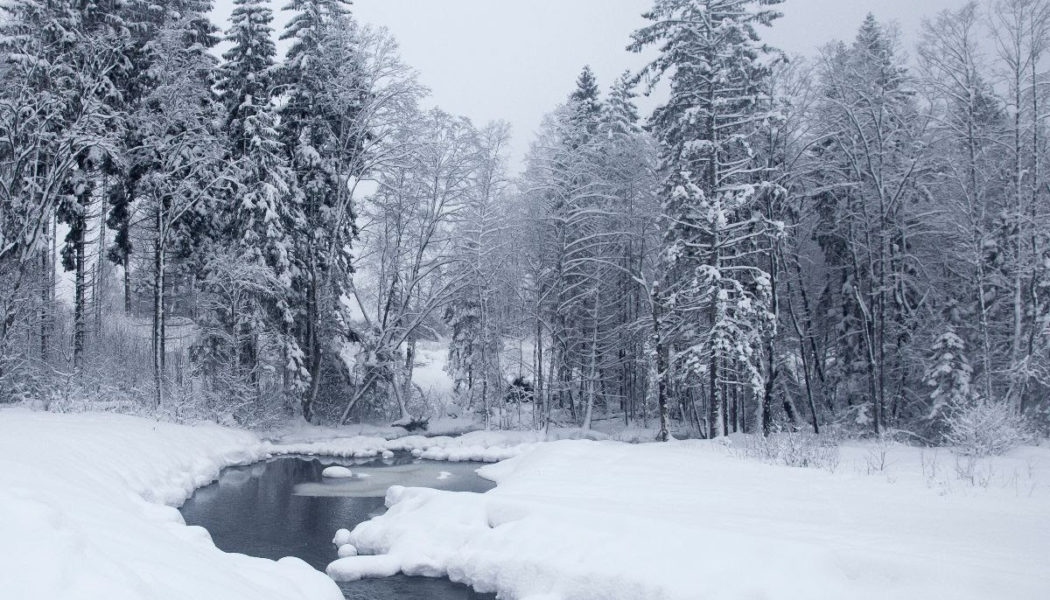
{"x": 87, "y": 507}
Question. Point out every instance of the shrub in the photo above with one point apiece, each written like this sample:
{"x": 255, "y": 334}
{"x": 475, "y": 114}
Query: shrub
{"x": 793, "y": 450}
{"x": 982, "y": 428}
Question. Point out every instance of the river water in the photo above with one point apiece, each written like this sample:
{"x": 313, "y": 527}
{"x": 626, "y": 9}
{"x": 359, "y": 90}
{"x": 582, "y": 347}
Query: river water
{"x": 284, "y": 507}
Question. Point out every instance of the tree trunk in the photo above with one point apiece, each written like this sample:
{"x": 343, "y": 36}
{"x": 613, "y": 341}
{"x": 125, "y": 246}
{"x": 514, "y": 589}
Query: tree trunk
{"x": 313, "y": 345}
{"x": 661, "y": 367}
{"x": 158, "y": 323}
{"x": 46, "y": 297}
{"x": 80, "y": 298}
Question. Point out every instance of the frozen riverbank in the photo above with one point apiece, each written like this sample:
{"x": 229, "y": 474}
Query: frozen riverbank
{"x": 689, "y": 520}
{"x": 87, "y": 504}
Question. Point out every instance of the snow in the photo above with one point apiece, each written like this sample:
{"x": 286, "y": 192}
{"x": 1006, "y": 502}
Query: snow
{"x": 480, "y": 446}
{"x": 342, "y": 537}
{"x": 429, "y": 371}
{"x": 363, "y": 567}
{"x": 337, "y": 472}
{"x": 87, "y": 511}
{"x": 372, "y": 482}
{"x": 686, "y": 520}
{"x": 87, "y": 505}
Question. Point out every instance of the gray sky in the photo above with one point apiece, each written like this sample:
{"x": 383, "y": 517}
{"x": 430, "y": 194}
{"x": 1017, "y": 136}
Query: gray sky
{"x": 516, "y": 59}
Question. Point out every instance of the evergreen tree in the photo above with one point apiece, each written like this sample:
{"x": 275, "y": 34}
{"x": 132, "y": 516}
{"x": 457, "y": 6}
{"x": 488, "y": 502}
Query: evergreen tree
{"x": 58, "y": 59}
{"x": 717, "y": 295}
{"x": 870, "y": 165}
{"x": 182, "y": 162}
{"x": 258, "y": 215}
{"x": 322, "y": 83}
{"x": 949, "y": 375}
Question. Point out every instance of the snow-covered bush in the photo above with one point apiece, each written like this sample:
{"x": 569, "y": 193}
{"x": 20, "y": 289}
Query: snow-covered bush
{"x": 792, "y": 449}
{"x": 980, "y": 427}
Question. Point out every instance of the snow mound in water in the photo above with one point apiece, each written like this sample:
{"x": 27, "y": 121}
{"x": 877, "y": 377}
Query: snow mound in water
{"x": 337, "y": 472}
{"x": 347, "y": 550}
{"x": 352, "y": 568}
{"x": 342, "y": 537}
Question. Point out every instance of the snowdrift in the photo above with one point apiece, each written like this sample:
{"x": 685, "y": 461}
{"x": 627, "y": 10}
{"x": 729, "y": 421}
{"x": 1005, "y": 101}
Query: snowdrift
{"x": 600, "y": 520}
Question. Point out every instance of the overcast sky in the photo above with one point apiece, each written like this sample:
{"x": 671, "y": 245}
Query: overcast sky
{"x": 516, "y": 59}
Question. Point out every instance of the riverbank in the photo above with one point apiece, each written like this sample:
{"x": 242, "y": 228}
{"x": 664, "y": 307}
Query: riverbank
{"x": 87, "y": 504}
{"x": 687, "y": 520}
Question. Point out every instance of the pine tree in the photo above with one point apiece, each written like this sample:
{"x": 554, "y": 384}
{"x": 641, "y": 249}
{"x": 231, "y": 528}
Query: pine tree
{"x": 58, "y": 61}
{"x": 871, "y": 164}
{"x": 717, "y": 295}
{"x": 259, "y": 212}
{"x": 321, "y": 82}
{"x": 949, "y": 375}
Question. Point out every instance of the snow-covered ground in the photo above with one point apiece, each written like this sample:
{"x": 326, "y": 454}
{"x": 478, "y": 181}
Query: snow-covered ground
{"x": 692, "y": 520}
{"x": 87, "y": 511}
{"x": 87, "y": 506}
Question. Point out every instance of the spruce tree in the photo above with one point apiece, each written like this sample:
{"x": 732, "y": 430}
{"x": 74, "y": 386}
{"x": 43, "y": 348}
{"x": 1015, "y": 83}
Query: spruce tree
{"x": 717, "y": 294}
{"x": 320, "y": 80}
{"x": 257, "y": 216}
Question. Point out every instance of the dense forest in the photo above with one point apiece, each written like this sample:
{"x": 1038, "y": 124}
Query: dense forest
{"x": 855, "y": 242}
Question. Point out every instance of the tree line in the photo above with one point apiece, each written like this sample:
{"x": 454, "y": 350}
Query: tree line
{"x": 852, "y": 241}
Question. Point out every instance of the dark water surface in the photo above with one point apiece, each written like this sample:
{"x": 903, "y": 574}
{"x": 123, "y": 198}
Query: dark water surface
{"x": 283, "y": 507}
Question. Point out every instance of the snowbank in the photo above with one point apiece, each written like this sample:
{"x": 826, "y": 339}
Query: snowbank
{"x": 87, "y": 503}
{"x": 600, "y": 520}
{"x": 481, "y": 446}
{"x": 87, "y": 511}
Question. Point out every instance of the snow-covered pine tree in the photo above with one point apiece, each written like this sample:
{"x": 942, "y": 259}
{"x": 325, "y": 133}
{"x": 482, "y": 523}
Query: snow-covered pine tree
{"x": 949, "y": 375}
{"x": 717, "y": 294}
{"x": 631, "y": 208}
{"x": 256, "y": 220}
{"x": 569, "y": 188}
{"x": 476, "y": 313}
{"x": 971, "y": 128}
{"x": 322, "y": 83}
{"x": 1021, "y": 35}
{"x": 94, "y": 46}
{"x": 57, "y": 60}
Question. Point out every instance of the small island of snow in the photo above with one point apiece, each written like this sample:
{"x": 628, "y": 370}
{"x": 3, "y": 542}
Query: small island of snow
{"x": 336, "y": 472}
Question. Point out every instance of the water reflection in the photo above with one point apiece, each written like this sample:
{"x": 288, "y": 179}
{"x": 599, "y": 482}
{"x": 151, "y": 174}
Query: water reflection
{"x": 284, "y": 507}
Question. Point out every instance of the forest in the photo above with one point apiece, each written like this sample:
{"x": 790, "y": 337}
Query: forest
{"x": 855, "y": 243}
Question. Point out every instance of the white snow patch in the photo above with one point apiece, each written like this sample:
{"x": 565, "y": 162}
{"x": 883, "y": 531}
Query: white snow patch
{"x": 605, "y": 521}
{"x": 347, "y": 550}
{"x": 352, "y": 568}
{"x": 342, "y": 537}
{"x": 479, "y": 446}
{"x": 337, "y": 472}
{"x": 86, "y": 512}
